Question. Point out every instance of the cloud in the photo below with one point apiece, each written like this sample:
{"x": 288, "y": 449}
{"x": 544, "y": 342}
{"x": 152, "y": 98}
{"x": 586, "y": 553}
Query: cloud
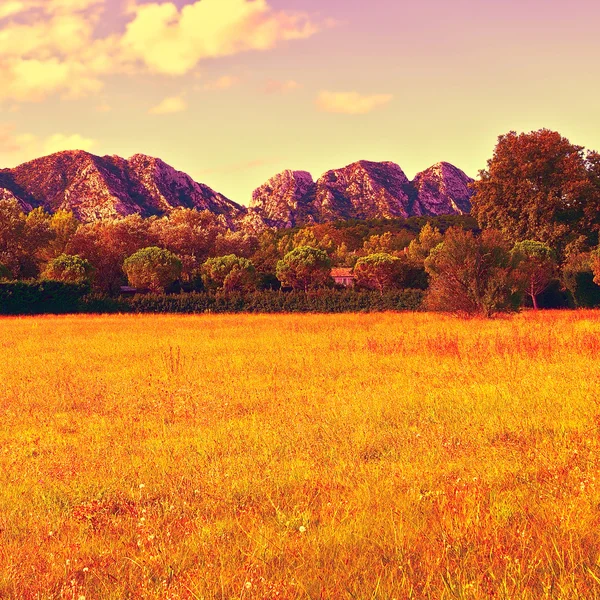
{"x": 222, "y": 83}
{"x": 17, "y": 148}
{"x": 172, "y": 41}
{"x": 281, "y": 87}
{"x": 11, "y": 8}
{"x": 173, "y": 104}
{"x": 52, "y": 47}
{"x": 351, "y": 103}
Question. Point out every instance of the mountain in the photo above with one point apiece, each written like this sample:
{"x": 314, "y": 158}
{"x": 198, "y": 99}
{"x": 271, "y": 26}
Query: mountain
{"x": 95, "y": 187}
{"x": 286, "y": 199}
{"x": 443, "y": 190}
{"x": 362, "y": 190}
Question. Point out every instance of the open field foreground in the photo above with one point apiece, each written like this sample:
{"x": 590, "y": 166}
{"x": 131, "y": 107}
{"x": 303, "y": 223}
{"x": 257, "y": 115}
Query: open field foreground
{"x": 334, "y": 456}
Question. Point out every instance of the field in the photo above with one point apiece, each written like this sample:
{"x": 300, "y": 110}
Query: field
{"x": 306, "y": 456}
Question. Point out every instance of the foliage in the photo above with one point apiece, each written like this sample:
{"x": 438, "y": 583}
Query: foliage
{"x": 106, "y": 244}
{"x": 229, "y": 273}
{"x": 535, "y": 267}
{"x": 471, "y": 275}
{"x": 578, "y": 278}
{"x": 304, "y": 268}
{"x": 429, "y": 237}
{"x": 153, "y": 268}
{"x": 40, "y": 297}
{"x": 378, "y": 271}
{"x": 315, "y": 301}
{"x": 67, "y": 268}
{"x": 5, "y": 273}
{"x": 539, "y": 186}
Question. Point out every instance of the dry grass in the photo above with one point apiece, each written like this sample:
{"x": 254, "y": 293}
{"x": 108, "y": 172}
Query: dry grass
{"x": 355, "y": 456}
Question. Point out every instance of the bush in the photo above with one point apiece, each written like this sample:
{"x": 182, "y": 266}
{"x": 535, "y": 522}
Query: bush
{"x": 39, "y": 297}
{"x": 319, "y": 301}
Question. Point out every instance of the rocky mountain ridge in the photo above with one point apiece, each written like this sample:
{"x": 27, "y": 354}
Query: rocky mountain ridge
{"x": 107, "y": 187}
{"x": 362, "y": 190}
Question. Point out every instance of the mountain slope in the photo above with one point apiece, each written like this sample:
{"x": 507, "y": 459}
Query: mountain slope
{"x": 95, "y": 187}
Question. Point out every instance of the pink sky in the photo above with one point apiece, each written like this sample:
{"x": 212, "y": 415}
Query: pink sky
{"x": 234, "y": 91}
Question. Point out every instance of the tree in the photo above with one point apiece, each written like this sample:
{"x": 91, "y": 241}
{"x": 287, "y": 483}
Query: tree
{"x": 63, "y": 225}
{"x": 470, "y": 275}
{"x": 189, "y": 233}
{"x": 578, "y": 278}
{"x": 304, "y": 268}
{"x": 153, "y": 268}
{"x": 106, "y": 244}
{"x": 5, "y": 273}
{"x": 539, "y": 186}
{"x": 429, "y": 237}
{"x": 70, "y": 269}
{"x": 229, "y": 273}
{"x": 378, "y": 271}
{"x": 535, "y": 267}
{"x": 12, "y": 234}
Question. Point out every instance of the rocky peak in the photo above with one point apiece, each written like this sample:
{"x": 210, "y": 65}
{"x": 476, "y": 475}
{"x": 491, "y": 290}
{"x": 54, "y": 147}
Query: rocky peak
{"x": 95, "y": 187}
{"x": 286, "y": 199}
{"x": 364, "y": 190}
{"x": 443, "y": 189}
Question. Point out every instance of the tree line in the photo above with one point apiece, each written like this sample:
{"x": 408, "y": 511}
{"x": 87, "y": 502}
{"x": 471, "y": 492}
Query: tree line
{"x": 532, "y": 237}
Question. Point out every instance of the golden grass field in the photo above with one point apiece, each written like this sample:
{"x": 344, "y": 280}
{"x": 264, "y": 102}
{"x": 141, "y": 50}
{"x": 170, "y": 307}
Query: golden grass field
{"x": 361, "y": 456}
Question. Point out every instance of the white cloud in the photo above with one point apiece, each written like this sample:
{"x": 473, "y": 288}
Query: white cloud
{"x": 17, "y": 148}
{"x": 173, "y": 104}
{"x": 351, "y": 103}
{"x": 51, "y": 46}
{"x": 172, "y": 41}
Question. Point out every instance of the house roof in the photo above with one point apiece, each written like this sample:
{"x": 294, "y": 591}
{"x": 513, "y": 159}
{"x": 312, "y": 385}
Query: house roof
{"x": 342, "y": 272}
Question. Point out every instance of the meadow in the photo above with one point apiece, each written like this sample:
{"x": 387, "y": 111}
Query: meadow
{"x": 374, "y": 456}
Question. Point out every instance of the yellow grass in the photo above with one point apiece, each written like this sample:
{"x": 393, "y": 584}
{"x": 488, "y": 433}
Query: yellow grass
{"x": 335, "y": 456}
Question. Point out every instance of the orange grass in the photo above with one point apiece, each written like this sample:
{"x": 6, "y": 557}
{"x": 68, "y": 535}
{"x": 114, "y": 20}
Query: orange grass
{"x": 303, "y": 456}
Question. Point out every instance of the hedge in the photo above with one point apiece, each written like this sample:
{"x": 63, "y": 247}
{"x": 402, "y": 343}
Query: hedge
{"x": 37, "y": 297}
{"x": 320, "y": 301}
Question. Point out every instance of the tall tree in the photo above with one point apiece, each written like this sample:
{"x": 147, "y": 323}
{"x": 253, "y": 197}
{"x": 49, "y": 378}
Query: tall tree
{"x": 470, "y": 275}
{"x": 535, "y": 267}
{"x": 539, "y": 186}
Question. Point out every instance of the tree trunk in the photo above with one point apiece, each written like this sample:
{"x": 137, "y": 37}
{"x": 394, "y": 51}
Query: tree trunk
{"x": 534, "y": 300}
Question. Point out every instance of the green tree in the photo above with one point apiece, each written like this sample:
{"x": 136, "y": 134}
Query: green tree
{"x": 379, "y": 271}
{"x": 470, "y": 275}
{"x": 5, "y": 273}
{"x": 106, "y": 244}
{"x": 304, "y": 268}
{"x": 12, "y": 235}
{"x": 429, "y": 237}
{"x": 539, "y": 186}
{"x": 229, "y": 273}
{"x": 70, "y": 269}
{"x": 535, "y": 267}
{"x": 578, "y": 278}
{"x": 153, "y": 268}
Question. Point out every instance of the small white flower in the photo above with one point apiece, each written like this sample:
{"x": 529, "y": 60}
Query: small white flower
{"x": 248, "y": 585}
{"x": 301, "y": 529}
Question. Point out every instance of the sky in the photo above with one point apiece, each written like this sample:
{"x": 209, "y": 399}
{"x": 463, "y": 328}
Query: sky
{"x": 234, "y": 91}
